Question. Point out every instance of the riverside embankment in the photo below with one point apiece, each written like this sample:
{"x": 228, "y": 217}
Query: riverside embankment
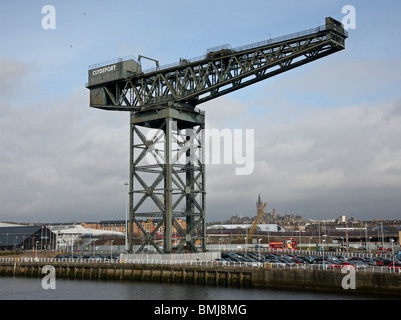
{"x": 379, "y": 284}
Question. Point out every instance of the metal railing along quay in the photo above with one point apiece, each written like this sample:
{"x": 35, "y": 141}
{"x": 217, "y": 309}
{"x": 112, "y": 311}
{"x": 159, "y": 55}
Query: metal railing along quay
{"x": 231, "y": 264}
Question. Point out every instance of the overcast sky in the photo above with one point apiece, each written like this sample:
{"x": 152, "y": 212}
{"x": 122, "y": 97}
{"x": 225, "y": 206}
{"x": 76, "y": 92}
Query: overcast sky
{"x": 327, "y": 135}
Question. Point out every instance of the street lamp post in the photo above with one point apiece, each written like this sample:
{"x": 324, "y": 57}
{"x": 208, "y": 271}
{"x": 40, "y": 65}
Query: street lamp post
{"x": 342, "y": 246}
{"x": 72, "y": 246}
{"x": 323, "y": 247}
{"x": 392, "y": 250}
{"x": 126, "y": 215}
{"x": 370, "y": 250}
{"x": 36, "y": 251}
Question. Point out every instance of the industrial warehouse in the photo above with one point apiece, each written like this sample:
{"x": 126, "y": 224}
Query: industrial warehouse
{"x": 15, "y": 237}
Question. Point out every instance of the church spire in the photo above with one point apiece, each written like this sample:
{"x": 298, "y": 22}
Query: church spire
{"x": 259, "y": 204}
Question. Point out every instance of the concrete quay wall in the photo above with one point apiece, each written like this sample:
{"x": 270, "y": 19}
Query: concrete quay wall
{"x": 366, "y": 283}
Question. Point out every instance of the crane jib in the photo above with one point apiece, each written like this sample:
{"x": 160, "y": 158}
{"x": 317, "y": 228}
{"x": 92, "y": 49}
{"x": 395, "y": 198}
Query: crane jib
{"x": 123, "y": 86}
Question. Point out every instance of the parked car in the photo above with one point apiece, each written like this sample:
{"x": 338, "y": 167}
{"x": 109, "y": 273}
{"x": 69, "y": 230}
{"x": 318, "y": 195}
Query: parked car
{"x": 297, "y": 260}
{"x": 378, "y": 261}
{"x": 359, "y": 264}
{"x": 326, "y": 264}
{"x": 345, "y": 264}
{"x": 385, "y": 261}
{"x": 394, "y": 266}
{"x": 342, "y": 258}
{"x": 221, "y": 261}
{"x": 355, "y": 258}
{"x": 371, "y": 262}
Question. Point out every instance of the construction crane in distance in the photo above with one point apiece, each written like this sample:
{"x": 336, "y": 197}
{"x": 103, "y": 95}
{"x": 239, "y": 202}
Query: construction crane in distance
{"x": 261, "y": 212}
{"x": 165, "y": 98}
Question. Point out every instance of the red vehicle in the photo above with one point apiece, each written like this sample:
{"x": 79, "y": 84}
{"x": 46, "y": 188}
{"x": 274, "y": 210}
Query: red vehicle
{"x": 289, "y": 243}
{"x": 394, "y": 266}
{"x": 276, "y": 245}
{"x": 378, "y": 262}
{"x": 344, "y": 264}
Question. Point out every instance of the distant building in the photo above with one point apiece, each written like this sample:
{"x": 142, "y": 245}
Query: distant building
{"x": 23, "y": 237}
{"x": 341, "y": 219}
{"x": 119, "y": 225}
{"x": 274, "y": 213}
{"x": 260, "y": 227}
{"x": 76, "y": 237}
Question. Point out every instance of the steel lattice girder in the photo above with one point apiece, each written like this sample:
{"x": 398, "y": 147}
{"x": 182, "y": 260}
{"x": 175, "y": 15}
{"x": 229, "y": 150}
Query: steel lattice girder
{"x": 219, "y": 74}
{"x": 168, "y": 179}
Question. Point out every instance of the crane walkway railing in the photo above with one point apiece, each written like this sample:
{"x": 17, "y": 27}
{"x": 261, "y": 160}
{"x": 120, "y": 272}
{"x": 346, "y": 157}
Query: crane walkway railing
{"x": 237, "y": 49}
{"x": 254, "y": 45}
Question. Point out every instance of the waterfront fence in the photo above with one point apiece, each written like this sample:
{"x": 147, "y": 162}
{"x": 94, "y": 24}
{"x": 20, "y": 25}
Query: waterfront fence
{"x": 198, "y": 263}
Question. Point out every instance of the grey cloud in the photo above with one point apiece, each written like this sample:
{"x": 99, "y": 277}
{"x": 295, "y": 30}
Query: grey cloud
{"x": 322, "y": 163}
{"x": 62, "y": 161}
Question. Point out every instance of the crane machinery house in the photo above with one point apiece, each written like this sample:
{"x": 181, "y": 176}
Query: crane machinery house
{"x": 115, "y": 71}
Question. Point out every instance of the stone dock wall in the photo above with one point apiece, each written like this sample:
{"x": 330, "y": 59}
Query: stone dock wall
{"x": 330, "y": 281}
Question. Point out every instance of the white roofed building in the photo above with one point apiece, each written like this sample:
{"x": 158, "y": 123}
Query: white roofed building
{"x": 80, "y": 237}
{"x": 260, "y": 227}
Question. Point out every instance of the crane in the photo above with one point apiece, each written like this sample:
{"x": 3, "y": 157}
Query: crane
{"x": 261, "y": 212}
{"x": 165, "y": 98}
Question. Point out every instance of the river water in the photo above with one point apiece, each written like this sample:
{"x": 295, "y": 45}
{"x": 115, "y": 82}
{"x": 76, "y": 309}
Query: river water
{"x": 31, "y": 289}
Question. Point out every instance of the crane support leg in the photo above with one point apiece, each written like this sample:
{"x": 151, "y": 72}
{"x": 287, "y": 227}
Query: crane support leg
{"x": 167, "y": 171}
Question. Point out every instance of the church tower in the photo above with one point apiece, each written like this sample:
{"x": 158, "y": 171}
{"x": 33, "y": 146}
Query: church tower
{"x": 259, "y": 205}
